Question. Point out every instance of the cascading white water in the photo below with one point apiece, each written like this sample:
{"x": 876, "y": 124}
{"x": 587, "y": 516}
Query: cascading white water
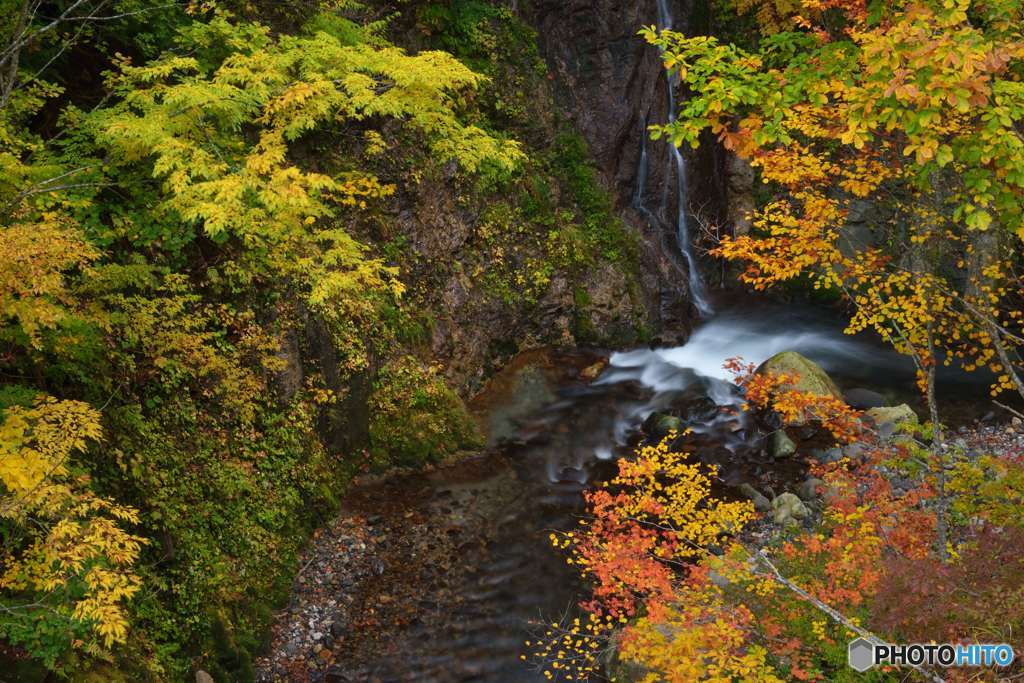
{"x": 753, "y": 334}
{"x": 697, "y": 291}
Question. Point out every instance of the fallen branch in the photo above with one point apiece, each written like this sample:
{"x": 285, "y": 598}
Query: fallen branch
{"x": 1010, "y": 410}
{"x": 762, "y": 558}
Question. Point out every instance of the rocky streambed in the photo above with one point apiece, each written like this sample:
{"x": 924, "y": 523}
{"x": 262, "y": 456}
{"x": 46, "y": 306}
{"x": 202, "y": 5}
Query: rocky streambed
{"x": 442, "y": 576}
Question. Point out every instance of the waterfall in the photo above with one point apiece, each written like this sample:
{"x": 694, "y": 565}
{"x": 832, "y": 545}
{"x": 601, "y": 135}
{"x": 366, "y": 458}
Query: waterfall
{"x": 676, "y": 160}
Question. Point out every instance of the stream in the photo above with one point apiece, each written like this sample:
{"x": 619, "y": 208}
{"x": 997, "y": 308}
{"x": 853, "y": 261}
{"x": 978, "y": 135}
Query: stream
{"x": 445, "y": 575}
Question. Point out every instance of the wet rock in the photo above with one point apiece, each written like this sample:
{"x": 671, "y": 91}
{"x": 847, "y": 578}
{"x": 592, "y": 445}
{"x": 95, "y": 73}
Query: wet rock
{"x": 612, "y": 309}
{"x": 780, "y": 445}
{"x": 739, "y": 175}
{"x": 788, "y": 509}
{"x": 862, "y": 399}
{"x": 612, "y": 87}
{"x": 761, "y": 503}
{"x": 809, "y": 489}
{"x": 591, "y": 372}
{"x": 658, "y": 425}
{"x": 829, "y": 456}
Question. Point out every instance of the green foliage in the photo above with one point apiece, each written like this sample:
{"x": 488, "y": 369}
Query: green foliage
{"x": 990, "y": 488}
{"x": 416, "y": 418}
{"x": 603, "y": 230}
{"x": 493, "y": 41}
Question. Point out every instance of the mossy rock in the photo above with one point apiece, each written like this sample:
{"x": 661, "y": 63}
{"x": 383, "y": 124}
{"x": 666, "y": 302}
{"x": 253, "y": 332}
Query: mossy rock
{"x": 659, "y": 425}
{"x": 788, "y": 509}
{"x": 780, "y": 445}
{"x": 760, "y": 501}
{"x": 813, "y": 378}
{"x": 895, "y": 414}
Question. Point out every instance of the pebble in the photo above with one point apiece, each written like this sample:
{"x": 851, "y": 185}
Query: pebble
{"x": 306, "y": 633}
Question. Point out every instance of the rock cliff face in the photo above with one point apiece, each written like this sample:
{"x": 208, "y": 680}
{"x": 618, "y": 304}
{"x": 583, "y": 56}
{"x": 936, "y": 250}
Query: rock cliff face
{"x": 481, "y": 312}
{"x": 611, "y": 84}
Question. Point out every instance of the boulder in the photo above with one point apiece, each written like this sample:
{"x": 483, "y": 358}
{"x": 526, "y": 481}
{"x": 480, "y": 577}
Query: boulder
{"x": 862, "y": 399}
{"x": 658, "y": 425}
{"x": 780, "y": 445}
{"x": 826, "y": 457}
{"x": 788, "y": 509}
{"x": 895, "y": 414}
{"x": 889, "y": 420}
{"x": 855, "y": 450}
{"x": 812, "y": 378}
{"x": 809, "y": 489}
{"x": 761, "y": 503}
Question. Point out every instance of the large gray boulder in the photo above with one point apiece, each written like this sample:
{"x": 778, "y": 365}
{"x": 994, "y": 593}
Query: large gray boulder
{"x": 812, "y": 378}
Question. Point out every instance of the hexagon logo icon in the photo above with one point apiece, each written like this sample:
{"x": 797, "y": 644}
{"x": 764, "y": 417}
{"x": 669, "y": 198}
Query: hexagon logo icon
{"x": 860, "y": 655}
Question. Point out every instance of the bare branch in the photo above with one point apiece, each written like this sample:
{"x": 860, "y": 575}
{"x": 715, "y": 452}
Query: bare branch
{"x": 762, "y": 558}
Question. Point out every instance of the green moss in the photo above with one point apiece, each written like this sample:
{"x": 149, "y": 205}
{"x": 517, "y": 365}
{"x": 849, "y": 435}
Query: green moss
{"x": 416, "y": 418}
{"x": 604, "y": 230}
{"x": 582, "y": 328}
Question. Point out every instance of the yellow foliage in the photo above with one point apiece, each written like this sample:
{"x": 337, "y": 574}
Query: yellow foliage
{"x": 34, "y": 256}
{"x": 68, "y": 550}
{"x": 698, "y": 638}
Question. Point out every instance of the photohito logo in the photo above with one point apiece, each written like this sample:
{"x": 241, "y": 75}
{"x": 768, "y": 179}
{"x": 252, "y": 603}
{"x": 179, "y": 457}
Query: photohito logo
{"x": 864, "y": 654}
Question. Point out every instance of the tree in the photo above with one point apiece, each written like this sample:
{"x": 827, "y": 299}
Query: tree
{"x": 67, "y": 559}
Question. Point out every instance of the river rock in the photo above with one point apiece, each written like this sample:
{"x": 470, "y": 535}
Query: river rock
{"x": 780, "y": 445}
{"x": 809, "y": 489}
{"x": 761, "y": 503}
{"x": 813, "y": 378}
{"x": 862, "y": 399}
{"x": 888, "y": 419}
{"x": 658, "y": 425}
{"x": 788, "y": 509}
{"x": 829, "y": 456}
